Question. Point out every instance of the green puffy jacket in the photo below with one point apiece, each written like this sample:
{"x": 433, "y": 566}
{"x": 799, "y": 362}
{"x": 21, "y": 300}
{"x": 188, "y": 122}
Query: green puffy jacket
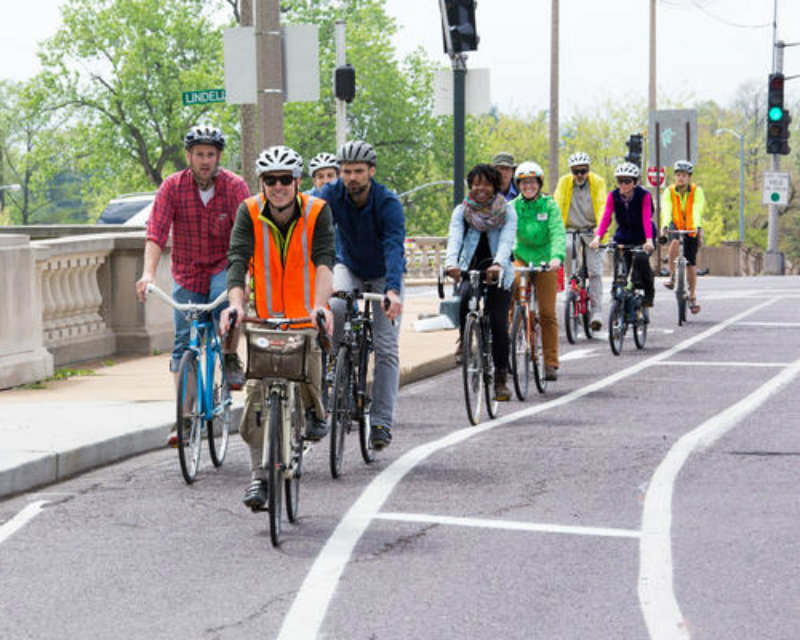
{"x": 540, "y": 230}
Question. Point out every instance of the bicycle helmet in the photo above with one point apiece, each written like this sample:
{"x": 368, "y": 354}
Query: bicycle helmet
{"x": 279, "y": 158}
{"x": 322, "y": 161}
{"x": 204, "y": 134}
{"x": 357, "y": 151}
{"x": 579, "y": 158}
{"x": 528, "y": 170}
{"x": 683, "y": 165}
{"x": 627, "y": 170}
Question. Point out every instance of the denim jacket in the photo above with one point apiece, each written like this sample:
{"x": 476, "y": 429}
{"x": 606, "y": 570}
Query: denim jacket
{"x": 461, "y": 246}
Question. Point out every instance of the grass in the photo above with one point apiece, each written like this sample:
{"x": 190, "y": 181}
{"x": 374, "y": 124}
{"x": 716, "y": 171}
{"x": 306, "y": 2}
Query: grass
{"x": 64, "y": 373}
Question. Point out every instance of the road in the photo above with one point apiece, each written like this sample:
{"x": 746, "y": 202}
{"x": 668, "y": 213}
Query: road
{"x": 651, "y": 495}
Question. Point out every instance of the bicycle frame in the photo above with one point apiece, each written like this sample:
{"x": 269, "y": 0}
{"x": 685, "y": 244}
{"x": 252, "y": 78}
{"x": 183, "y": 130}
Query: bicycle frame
{"x": 579, "y": 280}
{"x": 530, "y": 312}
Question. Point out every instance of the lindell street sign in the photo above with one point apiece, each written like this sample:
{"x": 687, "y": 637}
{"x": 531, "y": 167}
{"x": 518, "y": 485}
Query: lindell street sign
{"x": 652, "y": 172}
{"x": 203, "y": 97}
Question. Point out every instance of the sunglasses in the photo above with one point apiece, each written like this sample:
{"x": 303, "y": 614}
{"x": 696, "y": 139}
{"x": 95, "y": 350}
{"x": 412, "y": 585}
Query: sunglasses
{"x": 579, "y": 172}
{"x": 270, "y": 181}
{"x": 624, "y": 180}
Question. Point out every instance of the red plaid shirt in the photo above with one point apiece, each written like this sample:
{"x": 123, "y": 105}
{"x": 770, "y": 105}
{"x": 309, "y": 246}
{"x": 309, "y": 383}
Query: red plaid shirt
{"x": 200, "y": 233}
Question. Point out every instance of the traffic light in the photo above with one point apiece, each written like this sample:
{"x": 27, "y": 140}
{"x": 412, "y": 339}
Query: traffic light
{"x": 778, "y": 118}
{"x": 460, "y": 20}
{"x": 344, "y": 83}
{"x": 635, "y": 143}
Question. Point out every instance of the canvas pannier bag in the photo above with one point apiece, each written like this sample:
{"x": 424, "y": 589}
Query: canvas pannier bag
{"x": 277, "y": 354}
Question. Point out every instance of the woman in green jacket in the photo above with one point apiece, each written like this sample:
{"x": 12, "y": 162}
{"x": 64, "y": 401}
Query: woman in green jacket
{"x": 541, "y": 237}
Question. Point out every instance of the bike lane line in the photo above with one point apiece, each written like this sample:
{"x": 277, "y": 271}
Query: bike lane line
{"x": 9, "y": 528}
{"x": 304, "y": 618}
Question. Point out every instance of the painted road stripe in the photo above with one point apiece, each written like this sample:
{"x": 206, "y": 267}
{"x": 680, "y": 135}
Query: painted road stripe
{"x": 656, "y": 590}
{"x": 9, "y": 528}
{"x": 688, "y": 363}
{"x": 305, "y": 616}
{"x": 793, "y": 325}
{"x": 510, "y": 525}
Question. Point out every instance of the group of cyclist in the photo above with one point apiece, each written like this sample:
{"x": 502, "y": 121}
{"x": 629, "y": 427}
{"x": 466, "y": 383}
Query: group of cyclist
{"x": 506, "y": 220}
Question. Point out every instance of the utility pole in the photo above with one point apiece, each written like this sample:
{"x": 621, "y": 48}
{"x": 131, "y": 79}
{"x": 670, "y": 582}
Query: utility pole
{"x": 269, "y": 66}
{"x": 773, "y": 260}
{"x": 341, "y": 105}
{"x": 651, "y": 94}
{"x": 248, "y": 116}
{"x": 553, "y": 169}
{"x": 459, "y": 63}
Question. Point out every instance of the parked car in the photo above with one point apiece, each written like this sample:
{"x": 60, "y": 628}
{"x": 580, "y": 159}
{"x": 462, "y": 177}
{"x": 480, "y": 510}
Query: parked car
{"x": 131, "y": 209}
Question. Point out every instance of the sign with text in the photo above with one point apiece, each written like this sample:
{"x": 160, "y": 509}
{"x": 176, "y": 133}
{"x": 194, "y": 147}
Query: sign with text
{"x": 656, "y": 176}
{"x": 205, "y": 96}
{"x": 776, "y": 188}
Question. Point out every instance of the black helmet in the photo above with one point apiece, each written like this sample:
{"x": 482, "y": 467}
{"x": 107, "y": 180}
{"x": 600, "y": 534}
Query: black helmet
{"x": 204, "y": 134}
{"x": 357, "y": 151}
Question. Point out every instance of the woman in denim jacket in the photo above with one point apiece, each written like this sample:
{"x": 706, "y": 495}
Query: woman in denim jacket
{"x": 482, "y": 233}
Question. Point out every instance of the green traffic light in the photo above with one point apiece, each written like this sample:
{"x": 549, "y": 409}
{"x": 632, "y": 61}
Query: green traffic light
{"x": 775, "y": 114}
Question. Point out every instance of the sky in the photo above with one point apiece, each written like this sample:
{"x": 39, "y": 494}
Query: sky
{"x": 603, "y": 47}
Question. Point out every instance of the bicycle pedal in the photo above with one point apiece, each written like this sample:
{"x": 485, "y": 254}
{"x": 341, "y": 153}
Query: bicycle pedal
{"x": 259, "y": 509}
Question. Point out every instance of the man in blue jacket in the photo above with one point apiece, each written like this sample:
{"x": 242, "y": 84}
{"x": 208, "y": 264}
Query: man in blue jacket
{"x": 370, "y": 233}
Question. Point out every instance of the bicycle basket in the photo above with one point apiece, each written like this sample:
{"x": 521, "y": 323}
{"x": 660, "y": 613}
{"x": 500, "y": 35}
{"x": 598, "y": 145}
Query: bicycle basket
{"x": 277, "y": 354}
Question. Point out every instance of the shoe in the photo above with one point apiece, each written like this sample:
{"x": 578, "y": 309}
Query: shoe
{"x": 693, "y": 306}
{"x": 459, "y": 354}
{"x": 670, "y": 284}
{"x": 316, "y": 429}
{"x": 596, "y": 324}
{"x": 234, "y": 371}
{"x": 381, "y": 437}
{"x": 501, "y": 391}
{"x": 172, "y": 439}
{"x": 551, "y": 373}
{"x": 256, "y": 495}
{"x": 648, "y": 302}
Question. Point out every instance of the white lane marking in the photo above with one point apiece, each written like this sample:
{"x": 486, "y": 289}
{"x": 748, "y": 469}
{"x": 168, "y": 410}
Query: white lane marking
{"x": 688, "y": 363}
{"x": 9, "y": 528}
{"x": 304, "y": 618}
{"x": 656, "y": 590}
{"x": 578, "y": 354}
{"x": 511, "y": 525}
{"x": 793, "y": 325}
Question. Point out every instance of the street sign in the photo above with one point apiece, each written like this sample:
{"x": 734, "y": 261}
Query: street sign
{"x": 776, "y": 188}
{"x": 652, "y": 172}
{"x": 672, "y": 136}
{"x": 476, "y": 90}
{"x": 203, "y": 97}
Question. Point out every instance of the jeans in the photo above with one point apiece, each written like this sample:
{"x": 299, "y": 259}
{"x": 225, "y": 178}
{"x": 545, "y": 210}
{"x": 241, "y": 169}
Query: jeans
{"x": 217, "y": 285}
{"x": 385, "y": 340}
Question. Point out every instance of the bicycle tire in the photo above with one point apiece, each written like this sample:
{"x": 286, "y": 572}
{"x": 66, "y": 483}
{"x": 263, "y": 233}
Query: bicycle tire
{"x": 640, "y": 326}
{"x": 472, "y": 368}
{"x": 492, "y": 403}
{"x": 275, "y": 475}
{"x": 520, "y": 354}
{"x": 340, "y": 409}
{"x": 328, "y": 373}
{"x": 189, "y": 417}
{"x": 616, "y": 327}
{"x": 537, "y": 353}
{"x": 571, "y": 316}
{"x": 680, "y": 292}
{"x": 364, "y": 393}
{"x": 587, "y": 316}
{"x": 295, "y": 457}
{"x": 219, "y": 427}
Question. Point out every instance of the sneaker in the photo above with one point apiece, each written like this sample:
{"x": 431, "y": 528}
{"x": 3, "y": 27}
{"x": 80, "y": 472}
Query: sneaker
{"x": 172, "y": 438}
{"x": 234, "y": 371}
{"x": 551, "y": 373}
{"x": 596, "y": 324}
{"x": 501, "y": 391}
{"x": 256, "y": 495}
{"x": 316, "y": 429}
{"x": 670, "y": 284}
{"x": 693, "y": 306}
{"x": 381, "y": 437}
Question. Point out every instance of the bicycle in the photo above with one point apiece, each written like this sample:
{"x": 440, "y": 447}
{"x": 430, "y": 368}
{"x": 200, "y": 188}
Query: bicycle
{"x": 283, "y": 425}
{"x": 350, "y": 398}
{"x": 477, "y": 364}
{"x": 526, "y": 335}
{"x": 204, "y": 396}
{"x": 681, "y": 288}
{"x": 627, "y": 303}
{"x": 578, "y": 305}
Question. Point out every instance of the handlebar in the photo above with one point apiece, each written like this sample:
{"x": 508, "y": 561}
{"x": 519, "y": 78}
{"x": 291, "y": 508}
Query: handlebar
{"x": 186, "y": 306}
{"x": 352, "y": 296}
{"x": 633, "y": 248}
{"x": 531, "y": 268}
{"x": 323, "y": 339}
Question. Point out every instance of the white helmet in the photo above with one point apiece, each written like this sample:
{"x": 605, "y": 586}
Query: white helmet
{"x": 279, "y": 158}
{"x": 322, "y": 160}
{"x": 627, "y": 170}
{"x": 579, "y": 158}
{"x": 683, "y": 165}
{"x": 357, "y": 151}
{"x": 528, "y": 169}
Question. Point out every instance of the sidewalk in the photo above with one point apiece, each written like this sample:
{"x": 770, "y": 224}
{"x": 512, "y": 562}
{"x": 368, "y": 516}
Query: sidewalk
{"x": 75, "y": 425}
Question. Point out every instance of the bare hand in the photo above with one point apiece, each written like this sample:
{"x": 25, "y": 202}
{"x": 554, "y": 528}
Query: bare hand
{"x": 328, "y": 319}
{"x": 225, "y": 318}
{"x": 141, "y": 286}
{"x": 595, "y": 243}
{"x": 648, "y": 246}
{"x": 493, "y": 273}
{"x": 454, "y": 273}
{"x": 395, "y": 305}
{"x": 555, "y": 264}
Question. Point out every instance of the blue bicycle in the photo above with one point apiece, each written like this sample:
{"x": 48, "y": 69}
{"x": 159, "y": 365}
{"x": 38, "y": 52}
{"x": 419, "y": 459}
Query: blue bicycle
{"x": 204, "y": 396}
{"x": 627, "y": 302}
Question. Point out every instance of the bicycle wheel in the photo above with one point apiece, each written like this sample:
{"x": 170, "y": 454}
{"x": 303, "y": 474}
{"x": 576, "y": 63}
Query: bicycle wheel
{"x": 572, "y": 316}
{"x": 295, "y": 457}
{"x": 340, "y": 409}
{"x": 189, "y": 417}
{"x": 219, "y": 427}
{"x": 616, "y": 327}
{"x": 275, "y": 467}
{"x": 640, "y": 325}
{"x": 364, "y": 402}
{"x": 488, "y": 371}
{"x": 680, "y": 292}
{"x": 587, "y": 316}
{"x": 472, "y": 368}
{"x": 520, "y": 354}
{"x": 537, "y": 353}
{"x": 328, "y": 373}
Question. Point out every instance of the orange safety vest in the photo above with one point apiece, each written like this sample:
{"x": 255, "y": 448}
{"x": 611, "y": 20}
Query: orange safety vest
{"x": 684, "y": 221}
{"x": 284, "y": 285}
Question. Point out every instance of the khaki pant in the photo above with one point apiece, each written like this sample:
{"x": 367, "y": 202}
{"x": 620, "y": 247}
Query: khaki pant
{"x": 546, "y": 285}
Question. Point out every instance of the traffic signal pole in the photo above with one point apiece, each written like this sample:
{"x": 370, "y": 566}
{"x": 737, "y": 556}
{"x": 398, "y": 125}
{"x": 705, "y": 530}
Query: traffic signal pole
{"x": 773, "y": 260}
{"x": 459, "y": 117}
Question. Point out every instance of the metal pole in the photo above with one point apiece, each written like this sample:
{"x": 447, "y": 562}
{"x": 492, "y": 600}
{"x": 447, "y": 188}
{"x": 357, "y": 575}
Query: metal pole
{"x": 270, "y": 73}
{"x": 341, "y": 105}
{"x": 741, "y": 189}
{"x": 773, "y": 260}
{"x": 248, "y": 116}
{"x": 651, "y": 100}
{"x": 459, "y": 81}
{"x": 553, "y": 169}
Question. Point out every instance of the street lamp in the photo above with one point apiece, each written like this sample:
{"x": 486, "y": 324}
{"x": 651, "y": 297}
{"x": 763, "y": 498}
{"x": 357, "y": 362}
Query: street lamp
{"x": 10, "y": 187}
{"x": 741, "y": 177}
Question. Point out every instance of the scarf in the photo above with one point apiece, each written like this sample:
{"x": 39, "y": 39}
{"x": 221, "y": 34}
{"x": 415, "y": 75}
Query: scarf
{"x": 484, "y": 217}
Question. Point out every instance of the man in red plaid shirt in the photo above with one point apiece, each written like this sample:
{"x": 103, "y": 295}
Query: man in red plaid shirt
{"x": 199, "y": 205}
